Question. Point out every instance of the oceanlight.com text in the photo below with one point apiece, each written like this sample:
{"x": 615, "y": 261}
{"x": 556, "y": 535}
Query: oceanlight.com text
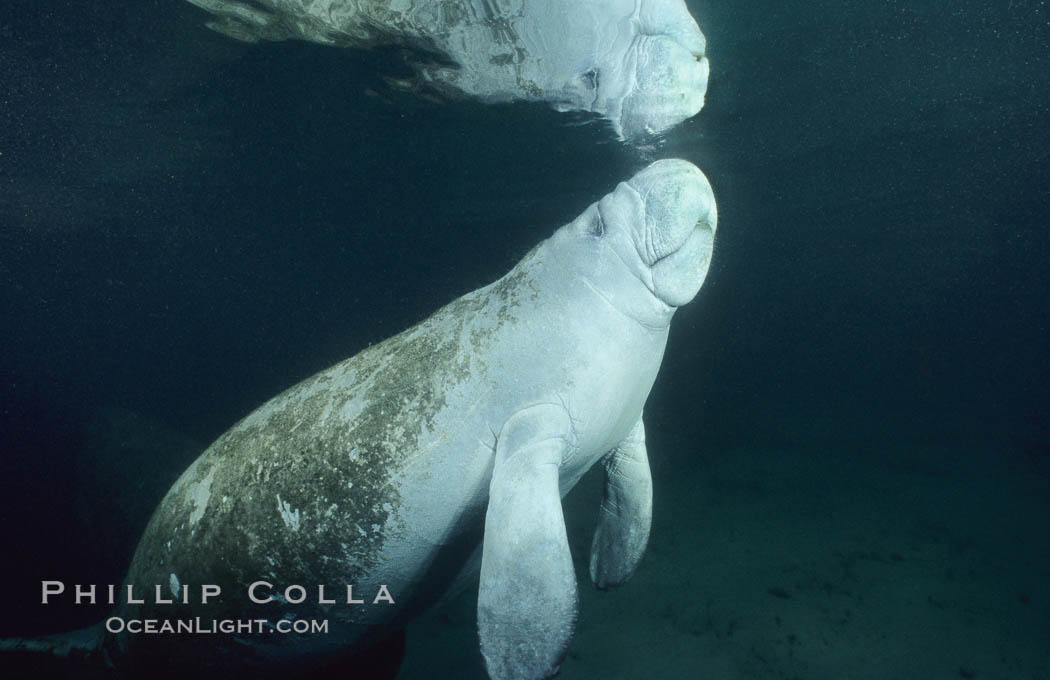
{"x": 202, "y": 626}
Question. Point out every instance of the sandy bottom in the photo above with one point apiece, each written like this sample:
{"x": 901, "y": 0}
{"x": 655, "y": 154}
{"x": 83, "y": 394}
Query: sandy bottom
{"x": 807, "y": 566}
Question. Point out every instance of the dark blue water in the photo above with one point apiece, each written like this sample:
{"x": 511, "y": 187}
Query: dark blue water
{"x": 189, "y": 225}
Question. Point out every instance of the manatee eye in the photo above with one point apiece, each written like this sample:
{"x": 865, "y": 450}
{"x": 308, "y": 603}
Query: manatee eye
{"x": 598, "y": 226}
{"x": 590, "y": 77}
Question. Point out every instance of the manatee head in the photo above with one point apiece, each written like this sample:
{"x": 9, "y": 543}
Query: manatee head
{"x": 657, "y": 77}
{"x": 647, "y": 244}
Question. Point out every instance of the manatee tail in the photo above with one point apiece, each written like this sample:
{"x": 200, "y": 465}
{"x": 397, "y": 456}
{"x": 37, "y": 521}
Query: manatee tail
{"x": 77, "y": 653}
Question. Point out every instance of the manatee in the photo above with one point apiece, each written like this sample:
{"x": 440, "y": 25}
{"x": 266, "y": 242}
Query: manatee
{"x": 640, "y": 64}
{"x": 437, "y": 454}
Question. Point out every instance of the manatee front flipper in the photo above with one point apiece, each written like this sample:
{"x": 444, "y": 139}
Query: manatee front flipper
{"x": 626, "y": 512}
{"x": 527, "y": 601}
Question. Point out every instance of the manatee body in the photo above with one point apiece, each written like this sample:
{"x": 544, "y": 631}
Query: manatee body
{"x": 640, "y": 64}
{"x": 398, "y": 467}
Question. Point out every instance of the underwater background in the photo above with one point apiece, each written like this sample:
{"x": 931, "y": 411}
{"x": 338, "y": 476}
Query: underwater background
{"x": 850, "y": 435}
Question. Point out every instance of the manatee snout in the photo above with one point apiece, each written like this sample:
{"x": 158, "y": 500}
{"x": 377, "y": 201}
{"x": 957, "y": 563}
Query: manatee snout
{"x": 678, "y": 236}
{"x": 670, "y": 84}
{"x": 678, "y": 198}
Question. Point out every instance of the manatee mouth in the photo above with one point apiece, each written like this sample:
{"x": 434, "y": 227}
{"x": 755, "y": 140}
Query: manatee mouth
{"x": 677, "y": 249}
{"x": 678, "y": 275}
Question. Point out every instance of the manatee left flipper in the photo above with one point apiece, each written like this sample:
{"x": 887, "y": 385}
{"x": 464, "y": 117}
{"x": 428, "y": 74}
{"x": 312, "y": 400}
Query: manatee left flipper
{"x": 626, "y": 512}
{"x": 527, "y": 601}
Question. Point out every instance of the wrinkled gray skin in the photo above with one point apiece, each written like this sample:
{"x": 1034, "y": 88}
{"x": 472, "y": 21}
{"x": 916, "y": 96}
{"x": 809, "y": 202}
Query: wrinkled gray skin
{"x": 638, "y": 63}
{"x": 464, "y": 432}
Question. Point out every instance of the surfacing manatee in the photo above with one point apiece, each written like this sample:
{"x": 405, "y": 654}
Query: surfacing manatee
{"x": 394, "y": 470}
{"x": 640, "y": 64}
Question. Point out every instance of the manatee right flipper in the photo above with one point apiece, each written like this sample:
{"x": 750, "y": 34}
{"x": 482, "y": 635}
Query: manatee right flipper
{"x": 527, "y": 601}
{"x": 626, "y": 512}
